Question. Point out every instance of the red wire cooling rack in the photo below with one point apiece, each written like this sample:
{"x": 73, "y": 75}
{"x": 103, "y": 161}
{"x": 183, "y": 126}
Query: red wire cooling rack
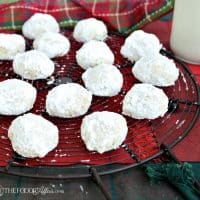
{"x": 71, "y": 159}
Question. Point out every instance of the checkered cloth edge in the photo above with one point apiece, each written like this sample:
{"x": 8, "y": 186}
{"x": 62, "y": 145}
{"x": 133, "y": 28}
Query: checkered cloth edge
{"x": 123, "y": 15}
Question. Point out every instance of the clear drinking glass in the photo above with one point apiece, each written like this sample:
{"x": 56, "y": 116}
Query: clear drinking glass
{"x": 185, "y": 34}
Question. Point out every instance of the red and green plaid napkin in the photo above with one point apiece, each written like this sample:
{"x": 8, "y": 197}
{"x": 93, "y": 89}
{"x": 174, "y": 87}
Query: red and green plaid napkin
{"x": 123, "y": 15}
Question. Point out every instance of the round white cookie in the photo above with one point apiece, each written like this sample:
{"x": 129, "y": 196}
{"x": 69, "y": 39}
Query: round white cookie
{"x": 11, "y": 45}
{"x": 32, "y": 135}
{"x": 103, "y": 131}
{"x": 93, "y": 53}
{"x": 16, "y": 97}
{"x": 157, "y": 70}
{"x": 144, "y": 101}
{"x": 38, "y": 24}
{"x": 103, "y": 80}
{"x": 68, "y": 100}
{"x": 52, "y": 44}
{"x": 33, "y": 65}
{"x": 90, "y": 29}
{"x": 139, "y": 44}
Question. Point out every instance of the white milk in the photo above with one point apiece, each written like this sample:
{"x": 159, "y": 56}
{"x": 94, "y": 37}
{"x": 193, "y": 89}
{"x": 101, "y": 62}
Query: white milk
{"x": 185, "y": 35}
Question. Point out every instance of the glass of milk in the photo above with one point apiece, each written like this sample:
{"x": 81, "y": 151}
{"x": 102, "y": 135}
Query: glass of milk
{"x": 185, "y": 34}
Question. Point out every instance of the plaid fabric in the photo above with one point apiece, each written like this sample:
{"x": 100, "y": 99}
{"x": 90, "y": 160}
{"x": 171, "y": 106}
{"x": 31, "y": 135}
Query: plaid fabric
{"x": 123, "y": 15}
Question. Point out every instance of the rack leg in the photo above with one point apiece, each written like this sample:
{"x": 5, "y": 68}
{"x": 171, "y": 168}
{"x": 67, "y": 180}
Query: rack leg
{"x": 97, "y": 179}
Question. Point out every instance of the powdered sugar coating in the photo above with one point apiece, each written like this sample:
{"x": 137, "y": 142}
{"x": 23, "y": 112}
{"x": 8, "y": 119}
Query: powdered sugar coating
{"x": 33, "y": 65}
{"x": 144, "y": 101}
{"x": 103, "y": 80}
{"x": 93, "y": 53}
{"x": 16, "y": 97}
{"x": 38, "y": 24}
{"x": 157, "y": 70}
{"x": 32, "y": 135}
{"x": 11, "y": 45}
{"x": 52, "y": 44}
{"x": 68, "y": 100}
{"x": 139, "y": 44}
{"x": 90, "y": 29}
{"x": 103, "y": 131}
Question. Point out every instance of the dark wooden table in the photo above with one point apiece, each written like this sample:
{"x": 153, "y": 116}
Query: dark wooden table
{"x": 132, "y": 184}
